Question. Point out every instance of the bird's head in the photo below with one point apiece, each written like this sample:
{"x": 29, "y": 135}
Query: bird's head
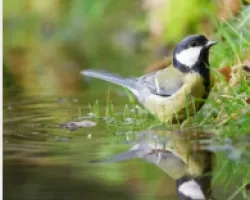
{"x": 192, "y": 53}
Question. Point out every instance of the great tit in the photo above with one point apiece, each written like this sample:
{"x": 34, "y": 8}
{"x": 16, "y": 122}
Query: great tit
{"x": 174, "y": 92}
{"x": 179, "y": 158}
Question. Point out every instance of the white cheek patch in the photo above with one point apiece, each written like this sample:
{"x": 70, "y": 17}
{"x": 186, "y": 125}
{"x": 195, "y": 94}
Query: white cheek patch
{"x": 188, "y": 57}
{"x": 192, "y": 190}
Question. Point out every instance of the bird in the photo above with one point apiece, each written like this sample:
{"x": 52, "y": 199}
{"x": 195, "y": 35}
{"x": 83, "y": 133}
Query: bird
{"x": 176, "y": 92}
{"x": 189, "y": 164}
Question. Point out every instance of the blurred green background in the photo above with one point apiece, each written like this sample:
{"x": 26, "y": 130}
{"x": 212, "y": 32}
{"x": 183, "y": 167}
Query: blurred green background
{"x": 48, "y": 42}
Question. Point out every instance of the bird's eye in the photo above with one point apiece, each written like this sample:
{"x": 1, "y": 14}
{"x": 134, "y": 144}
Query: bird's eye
{"x": 193, "y": 44}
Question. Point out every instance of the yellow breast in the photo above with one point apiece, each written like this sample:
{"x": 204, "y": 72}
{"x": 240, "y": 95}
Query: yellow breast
{"x": 183, "y": 103}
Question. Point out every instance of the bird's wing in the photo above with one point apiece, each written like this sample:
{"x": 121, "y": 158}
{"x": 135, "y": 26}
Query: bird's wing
{"x": 167, "y": 161}
{"x": 164, "y": 82}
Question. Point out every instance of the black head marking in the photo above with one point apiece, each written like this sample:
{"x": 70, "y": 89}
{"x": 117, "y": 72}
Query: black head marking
{"x": 202, "y": 64}
{"x": 191, "y": 41}
{"x": 203, "y": 181}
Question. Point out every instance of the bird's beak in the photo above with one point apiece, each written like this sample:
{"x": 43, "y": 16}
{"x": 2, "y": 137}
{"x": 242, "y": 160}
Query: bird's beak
{"x": 210, "y": 43}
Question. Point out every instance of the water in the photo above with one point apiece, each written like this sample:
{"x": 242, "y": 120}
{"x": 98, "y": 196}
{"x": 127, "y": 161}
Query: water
{"x": 44, "y": 160}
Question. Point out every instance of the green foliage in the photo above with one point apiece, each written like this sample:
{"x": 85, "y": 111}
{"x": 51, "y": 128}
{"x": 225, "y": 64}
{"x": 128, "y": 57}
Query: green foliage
{"x": 235, "y": 45}
{"x": 183, "y": 17}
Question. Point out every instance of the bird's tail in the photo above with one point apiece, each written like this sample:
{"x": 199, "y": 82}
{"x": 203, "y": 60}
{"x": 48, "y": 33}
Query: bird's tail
{"x": 128, "y": 155}
{"x": 136, "y": 88}
{"x": 139, "y": 150}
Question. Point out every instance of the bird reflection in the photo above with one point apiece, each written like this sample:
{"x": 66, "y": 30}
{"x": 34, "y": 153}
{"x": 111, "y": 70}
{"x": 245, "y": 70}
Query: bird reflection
{"x": 182, "y": 155}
